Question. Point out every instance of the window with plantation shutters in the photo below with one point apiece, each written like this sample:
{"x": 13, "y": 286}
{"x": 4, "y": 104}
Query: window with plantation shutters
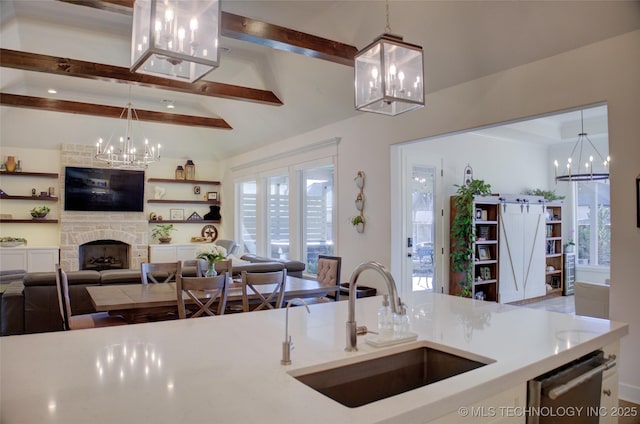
{"x": 288, "y": 214}
{"x": 247, "y": 214}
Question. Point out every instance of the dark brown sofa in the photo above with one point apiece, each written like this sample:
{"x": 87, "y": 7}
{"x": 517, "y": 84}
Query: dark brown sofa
{"x": 31, "y": 305}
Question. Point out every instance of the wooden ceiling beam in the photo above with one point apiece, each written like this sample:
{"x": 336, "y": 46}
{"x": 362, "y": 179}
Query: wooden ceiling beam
{"x": 97, "y": 71}
{"x": 286, "y": 39}
{"x": 257, "y": 32}
{"x": 55, "y": 105}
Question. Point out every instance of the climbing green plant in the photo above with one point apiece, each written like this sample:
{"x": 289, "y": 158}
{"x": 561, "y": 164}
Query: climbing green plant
{"x": 549, "y": 195}
{"x": 463, "y": 231}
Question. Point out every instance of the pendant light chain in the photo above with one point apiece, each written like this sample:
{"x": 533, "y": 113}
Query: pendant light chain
{"x": 387, "y": 28}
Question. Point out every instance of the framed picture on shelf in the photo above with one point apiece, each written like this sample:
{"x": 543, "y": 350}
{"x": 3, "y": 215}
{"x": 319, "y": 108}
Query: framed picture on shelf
{"x": 212, "y": 195}
{"x": 484, "y": 254}
{"x": 479, "y": 213}
{"x": 485, "y": 272}
{"x": 176, "y": 214}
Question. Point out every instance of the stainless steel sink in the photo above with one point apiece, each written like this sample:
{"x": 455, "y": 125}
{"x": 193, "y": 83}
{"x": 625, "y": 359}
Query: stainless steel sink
{"x": 368, "y": 380}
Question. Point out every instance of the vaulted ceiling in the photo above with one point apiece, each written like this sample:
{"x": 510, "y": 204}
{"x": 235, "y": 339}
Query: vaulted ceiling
{"x": 261, "y": 94}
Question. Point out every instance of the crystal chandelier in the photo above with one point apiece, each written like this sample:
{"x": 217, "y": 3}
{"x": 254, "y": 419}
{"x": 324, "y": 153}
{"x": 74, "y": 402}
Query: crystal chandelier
{"x": 125, "y": 154}
{"x": 176, "y": 39}
{"x": 584, "y": 150}
{"x": 389, "y": 75}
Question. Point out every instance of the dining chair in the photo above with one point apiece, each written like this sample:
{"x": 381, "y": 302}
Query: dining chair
{"x": 200, "y": 266}
{"x": 251, "y": 283}
{"x": 78, "y": 322}
{"x": 158, "y": 273}
{"x": 329, "y": 275}
{"x": 224, "y": 266}
{"x": 163, "y": 272}
{"x": 214, "y": 289}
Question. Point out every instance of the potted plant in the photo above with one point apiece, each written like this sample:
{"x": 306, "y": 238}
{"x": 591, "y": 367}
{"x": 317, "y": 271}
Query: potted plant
{"x": 12, "y": 241}
{"x": 463, "y": 232}
{"x": 40, "y": 211}
{"x": 358, "y": 222}
{"x": 549, "y": 195}
{"x": 162, "y": 232}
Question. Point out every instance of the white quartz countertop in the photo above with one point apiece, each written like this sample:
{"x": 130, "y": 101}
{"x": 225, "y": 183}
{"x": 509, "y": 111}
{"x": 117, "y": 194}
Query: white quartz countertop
{"x": 227, "y": 369}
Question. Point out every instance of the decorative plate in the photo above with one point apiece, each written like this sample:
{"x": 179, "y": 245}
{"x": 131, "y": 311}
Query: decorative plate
{"x": 209, "y": 231}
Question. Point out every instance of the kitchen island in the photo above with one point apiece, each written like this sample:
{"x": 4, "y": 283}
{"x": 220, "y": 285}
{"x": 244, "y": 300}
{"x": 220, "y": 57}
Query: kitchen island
{"x": 227, "y": 369}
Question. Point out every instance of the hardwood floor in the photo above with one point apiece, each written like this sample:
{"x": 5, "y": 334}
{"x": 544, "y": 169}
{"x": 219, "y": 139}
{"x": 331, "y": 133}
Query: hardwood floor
{"x": 630, "y": 412}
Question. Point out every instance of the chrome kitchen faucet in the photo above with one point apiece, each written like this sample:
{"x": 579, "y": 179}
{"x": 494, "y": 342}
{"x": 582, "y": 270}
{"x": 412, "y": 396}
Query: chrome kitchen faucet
{"x": 353, "y": 331}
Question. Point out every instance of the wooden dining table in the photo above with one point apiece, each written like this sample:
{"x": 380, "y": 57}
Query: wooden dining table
{"x": 137, "y": 301}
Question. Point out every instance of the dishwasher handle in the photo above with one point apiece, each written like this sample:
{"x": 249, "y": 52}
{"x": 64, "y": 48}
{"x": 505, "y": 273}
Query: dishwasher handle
{"x": 561, "y": 389}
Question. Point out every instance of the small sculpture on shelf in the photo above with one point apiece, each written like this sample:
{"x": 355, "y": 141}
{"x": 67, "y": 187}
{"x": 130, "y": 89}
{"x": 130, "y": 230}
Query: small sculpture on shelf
{"x": 214, "y": 213}
{"x": 159, "y": 193}
{"x": 10, "y": 164}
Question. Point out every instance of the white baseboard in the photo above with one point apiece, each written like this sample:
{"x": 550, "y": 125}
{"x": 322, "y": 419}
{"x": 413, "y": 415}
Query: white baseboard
{"x": 629, "y": 393}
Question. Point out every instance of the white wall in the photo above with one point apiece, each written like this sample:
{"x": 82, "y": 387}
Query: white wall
{"x": 602, "y": 72}
{"x": 510, "y": 167}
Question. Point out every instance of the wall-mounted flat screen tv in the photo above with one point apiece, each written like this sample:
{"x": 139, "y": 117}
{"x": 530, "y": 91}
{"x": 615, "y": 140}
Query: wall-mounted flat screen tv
{"x": 103, "y": 189}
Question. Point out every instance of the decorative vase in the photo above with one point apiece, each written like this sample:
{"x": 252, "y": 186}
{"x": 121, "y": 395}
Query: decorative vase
{"x": 40, "y": 215}
{"x": 179, "y": 173}
{"x": 211, "y": 271}
{"x": 360, "y": 227}
{"x": 10, "y": 164}
{"x": 189, "y": 170}
{"x": 359, "y": 179}
{"x": 164, "y": 240}
{"x": 360, "y": 201}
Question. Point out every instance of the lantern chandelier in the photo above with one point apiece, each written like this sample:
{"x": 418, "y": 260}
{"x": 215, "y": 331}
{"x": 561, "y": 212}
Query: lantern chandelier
{"x": 125, "y": 154}
{"x": 584, "y": 150}
{"x": 176, "y": 39}
{"x": 389, "y": 77}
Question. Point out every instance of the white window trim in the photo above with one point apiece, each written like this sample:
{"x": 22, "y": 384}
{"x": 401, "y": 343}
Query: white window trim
{"x": 318, "y": 154}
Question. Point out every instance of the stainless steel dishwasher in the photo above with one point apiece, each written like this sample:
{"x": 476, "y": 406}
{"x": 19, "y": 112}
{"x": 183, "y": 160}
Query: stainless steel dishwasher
{"x": 569, "y": 394}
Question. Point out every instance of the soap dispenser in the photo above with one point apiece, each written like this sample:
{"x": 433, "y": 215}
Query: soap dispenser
{"x": 385, "y": 319}
{"x": 401, "y": 325}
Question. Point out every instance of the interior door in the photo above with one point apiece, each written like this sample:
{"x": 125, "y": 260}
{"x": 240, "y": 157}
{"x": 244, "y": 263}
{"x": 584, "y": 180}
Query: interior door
{"x": 511, "y": 254}
{"x": 421, "y": 242}
{"x": 417, "y": 225}
{"x": 521, "y": 252}
{"x": 534, "y": 252}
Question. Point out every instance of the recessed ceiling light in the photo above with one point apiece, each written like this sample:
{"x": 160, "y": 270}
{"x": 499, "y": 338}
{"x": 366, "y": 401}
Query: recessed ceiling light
{"x": 52, "y": 91}
{"x": 169, "y": 104}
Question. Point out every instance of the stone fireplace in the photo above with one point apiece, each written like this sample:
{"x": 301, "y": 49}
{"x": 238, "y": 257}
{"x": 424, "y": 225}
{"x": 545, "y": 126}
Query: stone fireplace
{"x": 80, "y": 228}
{"x": 103, "y": 254}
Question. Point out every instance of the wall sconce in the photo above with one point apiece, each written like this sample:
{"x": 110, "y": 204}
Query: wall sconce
{"x": 358, "y": 220}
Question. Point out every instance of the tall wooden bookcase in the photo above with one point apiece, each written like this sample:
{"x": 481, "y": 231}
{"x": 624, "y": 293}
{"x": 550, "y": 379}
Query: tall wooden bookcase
{"x": 554, "y": 263}
{"x": 485, "y": 261}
